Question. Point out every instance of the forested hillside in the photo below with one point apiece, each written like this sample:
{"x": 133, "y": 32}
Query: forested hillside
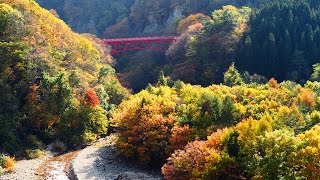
{"x": 280, "y": 34}
{"x": 55, "y": 85}
{"x": 207, "y": 45}
{"x": 111, "y": 19}
{"x": 285, "y": 37}
{"x": 235, "y": 96}
{"x": 121, "y": 18}
{"x": 279, "y": 39}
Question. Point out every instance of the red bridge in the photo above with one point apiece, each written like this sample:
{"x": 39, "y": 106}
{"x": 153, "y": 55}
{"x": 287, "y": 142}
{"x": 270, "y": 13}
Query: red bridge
{"x": 159, "y": 43}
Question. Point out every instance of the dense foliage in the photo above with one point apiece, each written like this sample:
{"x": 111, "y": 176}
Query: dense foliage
{"x": 285, "y": 37}
{"x": 131, "y": 18}
{"x": 120, "y": 18}
{"x": 54, "y": 83}
{"x": 278, "y": 39}
{"x": 208, "y": 46}
{"x": 267, "y": 131}
{"x": 279, "y": 34}
{"x": 157, "y": 120}
{"x": 58, "y": 86}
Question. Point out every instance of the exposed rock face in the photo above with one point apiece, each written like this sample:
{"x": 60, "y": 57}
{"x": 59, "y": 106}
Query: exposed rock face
{"x": 90, "y": 16}
{"x": 125, "y": 18}
{"x": 120, "y": 18}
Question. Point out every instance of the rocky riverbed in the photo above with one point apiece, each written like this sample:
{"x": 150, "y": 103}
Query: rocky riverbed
{"x": 96, "y": 162}
{"x": 26, "y": 169}
{"x": 100, "y": 161}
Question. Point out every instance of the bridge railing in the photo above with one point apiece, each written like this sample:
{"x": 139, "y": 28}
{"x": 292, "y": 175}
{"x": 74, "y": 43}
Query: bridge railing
{"x": 140, "y": 39}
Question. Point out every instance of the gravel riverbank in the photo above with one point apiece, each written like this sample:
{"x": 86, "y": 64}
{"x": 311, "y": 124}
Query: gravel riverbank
{"x": 50, "y": 166}
{"x": 26, "y": 169}
{"x": 96, "y": 162}
{"x": 100, "y": 161}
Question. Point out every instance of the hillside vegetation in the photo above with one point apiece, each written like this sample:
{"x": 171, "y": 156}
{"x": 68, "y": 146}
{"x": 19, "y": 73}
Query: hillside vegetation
{"x": 249, "y": 129}
{"x": 55, "y": 84}
{"x": 246, "y": 131}
{"x": 280, "y": 34}
{"x": 121, "y": 18}
{"x": 207, "y": 45}
{"x": 131, "y": 18}
{"x": 285, "y": 37}
{"x": 198, "y": 116}
{"x": 279, "y": 39}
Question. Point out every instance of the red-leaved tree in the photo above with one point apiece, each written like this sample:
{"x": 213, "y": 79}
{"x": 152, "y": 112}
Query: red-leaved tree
{"x": 91, "y": 99}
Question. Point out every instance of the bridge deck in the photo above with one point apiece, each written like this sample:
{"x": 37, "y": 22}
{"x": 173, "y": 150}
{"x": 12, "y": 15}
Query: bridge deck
{"x": 140, "y": 39}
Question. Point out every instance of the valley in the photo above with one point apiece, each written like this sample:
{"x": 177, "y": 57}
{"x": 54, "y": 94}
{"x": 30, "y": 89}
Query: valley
{"x": 160, "y": 89}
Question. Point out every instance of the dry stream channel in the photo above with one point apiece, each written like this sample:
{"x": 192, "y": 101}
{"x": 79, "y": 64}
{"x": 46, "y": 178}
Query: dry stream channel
{"x": 57, "y": 167}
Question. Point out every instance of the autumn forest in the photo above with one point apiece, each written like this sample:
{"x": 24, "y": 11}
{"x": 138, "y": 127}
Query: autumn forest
{"x": 235, "y": 96}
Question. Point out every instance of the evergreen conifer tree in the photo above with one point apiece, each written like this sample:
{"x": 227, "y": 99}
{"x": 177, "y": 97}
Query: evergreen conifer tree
{"x": 232, "y": 77}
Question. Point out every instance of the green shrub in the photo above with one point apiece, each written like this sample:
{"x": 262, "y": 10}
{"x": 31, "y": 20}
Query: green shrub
{"x": 59, "y": 146}
{"x": 33, "y": 142}
{"x": 2, "y": 156}
{"x": 34, "y": 153}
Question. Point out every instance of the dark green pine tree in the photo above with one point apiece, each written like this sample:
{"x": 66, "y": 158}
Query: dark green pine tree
{"x": 228, "y": 112}
{"x": 232, "y": 77}
{"x": 162, "y": 81}
{"x": 285, "y": 51}
{"x": 316, "y": 39}
{"x": 303, "y": 41}
{"x": 271, "y": 56}
{"x": 298, "y": 70}
{"x": 248, "y": 53}
{"x": 309, "y": 45}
